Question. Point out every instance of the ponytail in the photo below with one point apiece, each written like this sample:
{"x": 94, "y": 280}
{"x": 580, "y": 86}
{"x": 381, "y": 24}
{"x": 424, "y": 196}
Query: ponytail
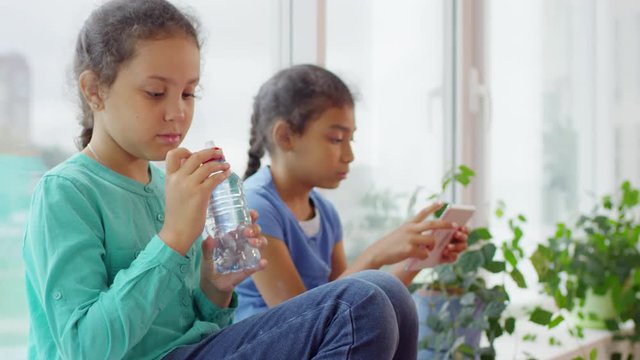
{"x": 256, "y": 147}
{"x": 86, "y": 121}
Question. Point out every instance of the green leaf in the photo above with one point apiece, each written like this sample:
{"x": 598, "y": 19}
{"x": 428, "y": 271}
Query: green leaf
{"x": 495, "y": 266}
{"x": 509, "y": 256}
{"x": 516, "y": 275}
{"x": 630, "y": 196}
{"x": 607, "y": 203}
{"x": 554, "y": 341}
{"x": 636, "y": 277}
{"x": 478, "y": 234}
{"x": 540, "y": 262}
{"x": 611, "y": 325}
{"x": 467, "y": 170}
{"x": 470, "y": 261}
{"x": 510, "y": 325}
{"x": 494, "y": 309}
{"x": 593, "y": 355}
{"x": 556, "y": 321}
{"x": 540, "y": 316}
{"x": 488, "y": 251}
{"x": 462, "y": 179}
{"x": 440, "y": 211}
{"x": 468, "y": 299}
{"x": 445, "y": 183}
{"x": 434, "y": 323}
{"x": 465, "y": 349}
{"x": 413, "y": 287}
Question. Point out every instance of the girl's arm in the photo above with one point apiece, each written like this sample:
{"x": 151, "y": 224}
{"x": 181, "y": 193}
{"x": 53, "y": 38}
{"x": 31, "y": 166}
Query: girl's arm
{"x": 411, "y": 240}
{"x": 280, "y": 281}
{"x": 338, "y": 261}
{"x": 67, "y": 277}
{"x": 339, "y": 266}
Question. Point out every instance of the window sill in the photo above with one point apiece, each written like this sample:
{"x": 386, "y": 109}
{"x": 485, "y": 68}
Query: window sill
{"x": 511, "y": 347}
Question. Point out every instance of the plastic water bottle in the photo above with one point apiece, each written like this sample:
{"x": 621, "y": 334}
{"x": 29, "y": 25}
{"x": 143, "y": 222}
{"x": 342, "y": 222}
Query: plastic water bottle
{"x": 227, "y": 218}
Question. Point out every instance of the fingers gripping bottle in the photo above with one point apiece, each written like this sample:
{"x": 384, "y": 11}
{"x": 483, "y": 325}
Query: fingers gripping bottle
{"x": 227, "y": 218}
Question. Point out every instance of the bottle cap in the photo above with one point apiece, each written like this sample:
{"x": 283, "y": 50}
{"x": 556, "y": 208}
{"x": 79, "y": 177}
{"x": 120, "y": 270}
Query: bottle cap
{"x": 210, "y": 144}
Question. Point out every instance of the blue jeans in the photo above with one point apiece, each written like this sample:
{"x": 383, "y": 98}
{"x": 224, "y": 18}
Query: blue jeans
{"x": 368, "y": 315}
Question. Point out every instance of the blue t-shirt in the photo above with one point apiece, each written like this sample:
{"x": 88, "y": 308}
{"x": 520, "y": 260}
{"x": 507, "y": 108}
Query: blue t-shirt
{"x": 311, "y": 254}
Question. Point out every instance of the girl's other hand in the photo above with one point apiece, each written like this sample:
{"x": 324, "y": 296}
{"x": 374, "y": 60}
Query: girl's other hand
{"x": 413, "y": 239}
{"x": 189, "y": 184}
{"x": 214, "y": 284}
{"x": 457, "y": 245}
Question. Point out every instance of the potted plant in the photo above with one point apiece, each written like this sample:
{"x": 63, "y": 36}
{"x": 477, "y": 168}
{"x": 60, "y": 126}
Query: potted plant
{"x": 595, "y": 261}
{"x": 457, "y": 303}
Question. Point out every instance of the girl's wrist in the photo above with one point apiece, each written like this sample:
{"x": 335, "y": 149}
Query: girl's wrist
{"x": 173, "y": 241}
{"x": 220, "y": 298}
{"x": 370, "y": 259}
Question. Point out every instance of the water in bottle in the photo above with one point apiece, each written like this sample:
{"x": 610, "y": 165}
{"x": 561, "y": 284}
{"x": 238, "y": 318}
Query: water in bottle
{"x": 227, "y": 218}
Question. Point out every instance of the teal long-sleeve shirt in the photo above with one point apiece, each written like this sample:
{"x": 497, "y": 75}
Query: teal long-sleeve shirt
{"x": 100, "y": 282}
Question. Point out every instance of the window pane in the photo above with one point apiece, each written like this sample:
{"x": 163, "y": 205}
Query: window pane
{"x": 38, "y": 110}
{"x": 391, "y": 54}
{"x": 564, "y": 77}
{"x": 565, "y": 86}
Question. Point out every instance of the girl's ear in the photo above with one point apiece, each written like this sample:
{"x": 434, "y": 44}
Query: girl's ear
{"x": 282, "y": 135}
{"x": 90, "y": 88}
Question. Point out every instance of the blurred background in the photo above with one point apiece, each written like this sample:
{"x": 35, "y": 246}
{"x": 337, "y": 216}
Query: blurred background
{"x": 540, "y": 97}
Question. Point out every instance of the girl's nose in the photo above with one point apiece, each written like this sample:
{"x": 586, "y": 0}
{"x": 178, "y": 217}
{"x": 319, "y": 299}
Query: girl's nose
{"x": 176, "y": 110}
{"x": 347, "y": 153}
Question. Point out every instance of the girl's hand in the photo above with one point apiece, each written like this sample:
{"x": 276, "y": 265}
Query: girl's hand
{"x": 188, "y": 187}
{"x": 413, "y": 239}
{"x": 457, "y": 245}
{"x": 218, "y": 287}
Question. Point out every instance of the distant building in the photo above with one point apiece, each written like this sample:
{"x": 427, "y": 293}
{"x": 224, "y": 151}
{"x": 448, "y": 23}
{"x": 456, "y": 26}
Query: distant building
{"x": 15, "y": 99}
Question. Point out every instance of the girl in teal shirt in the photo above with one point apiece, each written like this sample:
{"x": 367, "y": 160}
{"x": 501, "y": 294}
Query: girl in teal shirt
{"x": 115, "y": 265}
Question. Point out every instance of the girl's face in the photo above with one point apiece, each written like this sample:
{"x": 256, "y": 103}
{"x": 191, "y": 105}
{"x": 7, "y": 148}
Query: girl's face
{"x": 322, "y": 153}
{"x": 149, "y": 108}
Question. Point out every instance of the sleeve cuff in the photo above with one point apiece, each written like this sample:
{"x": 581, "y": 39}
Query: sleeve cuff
{"x": 160, "y": 253}
{"x": 212, "y": 313}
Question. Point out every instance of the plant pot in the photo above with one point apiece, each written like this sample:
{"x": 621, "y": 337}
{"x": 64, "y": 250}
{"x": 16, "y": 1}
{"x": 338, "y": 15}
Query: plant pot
{"x": 596, "y": 309}
{"x": 431, "y": 301}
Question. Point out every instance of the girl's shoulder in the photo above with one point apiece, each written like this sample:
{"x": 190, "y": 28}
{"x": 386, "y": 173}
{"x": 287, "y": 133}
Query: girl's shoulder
{"x": 75, "y": 169}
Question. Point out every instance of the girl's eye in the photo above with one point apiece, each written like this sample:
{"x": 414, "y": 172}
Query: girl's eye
{"x": 335, "y": 140}
{"x": 188, "y": 95}
{"x": 154, "y": 94}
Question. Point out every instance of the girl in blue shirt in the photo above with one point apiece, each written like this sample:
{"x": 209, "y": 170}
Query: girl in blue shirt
{"x": 303, "y": 116}
{"x": 115, "y": 265}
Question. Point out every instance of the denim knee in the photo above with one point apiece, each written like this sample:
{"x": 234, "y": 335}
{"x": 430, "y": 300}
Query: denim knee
{"x": 393, "y": 288}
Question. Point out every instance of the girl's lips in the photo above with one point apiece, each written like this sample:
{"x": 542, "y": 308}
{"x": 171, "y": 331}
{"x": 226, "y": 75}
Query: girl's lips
{"x": 170, "y": 138}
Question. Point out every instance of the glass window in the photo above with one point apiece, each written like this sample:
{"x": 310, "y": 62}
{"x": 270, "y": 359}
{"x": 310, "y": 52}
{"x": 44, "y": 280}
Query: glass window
{"x": 565, "y": 125}
{"x": 38, "y": 109}
{"x": 391, "y": 53}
